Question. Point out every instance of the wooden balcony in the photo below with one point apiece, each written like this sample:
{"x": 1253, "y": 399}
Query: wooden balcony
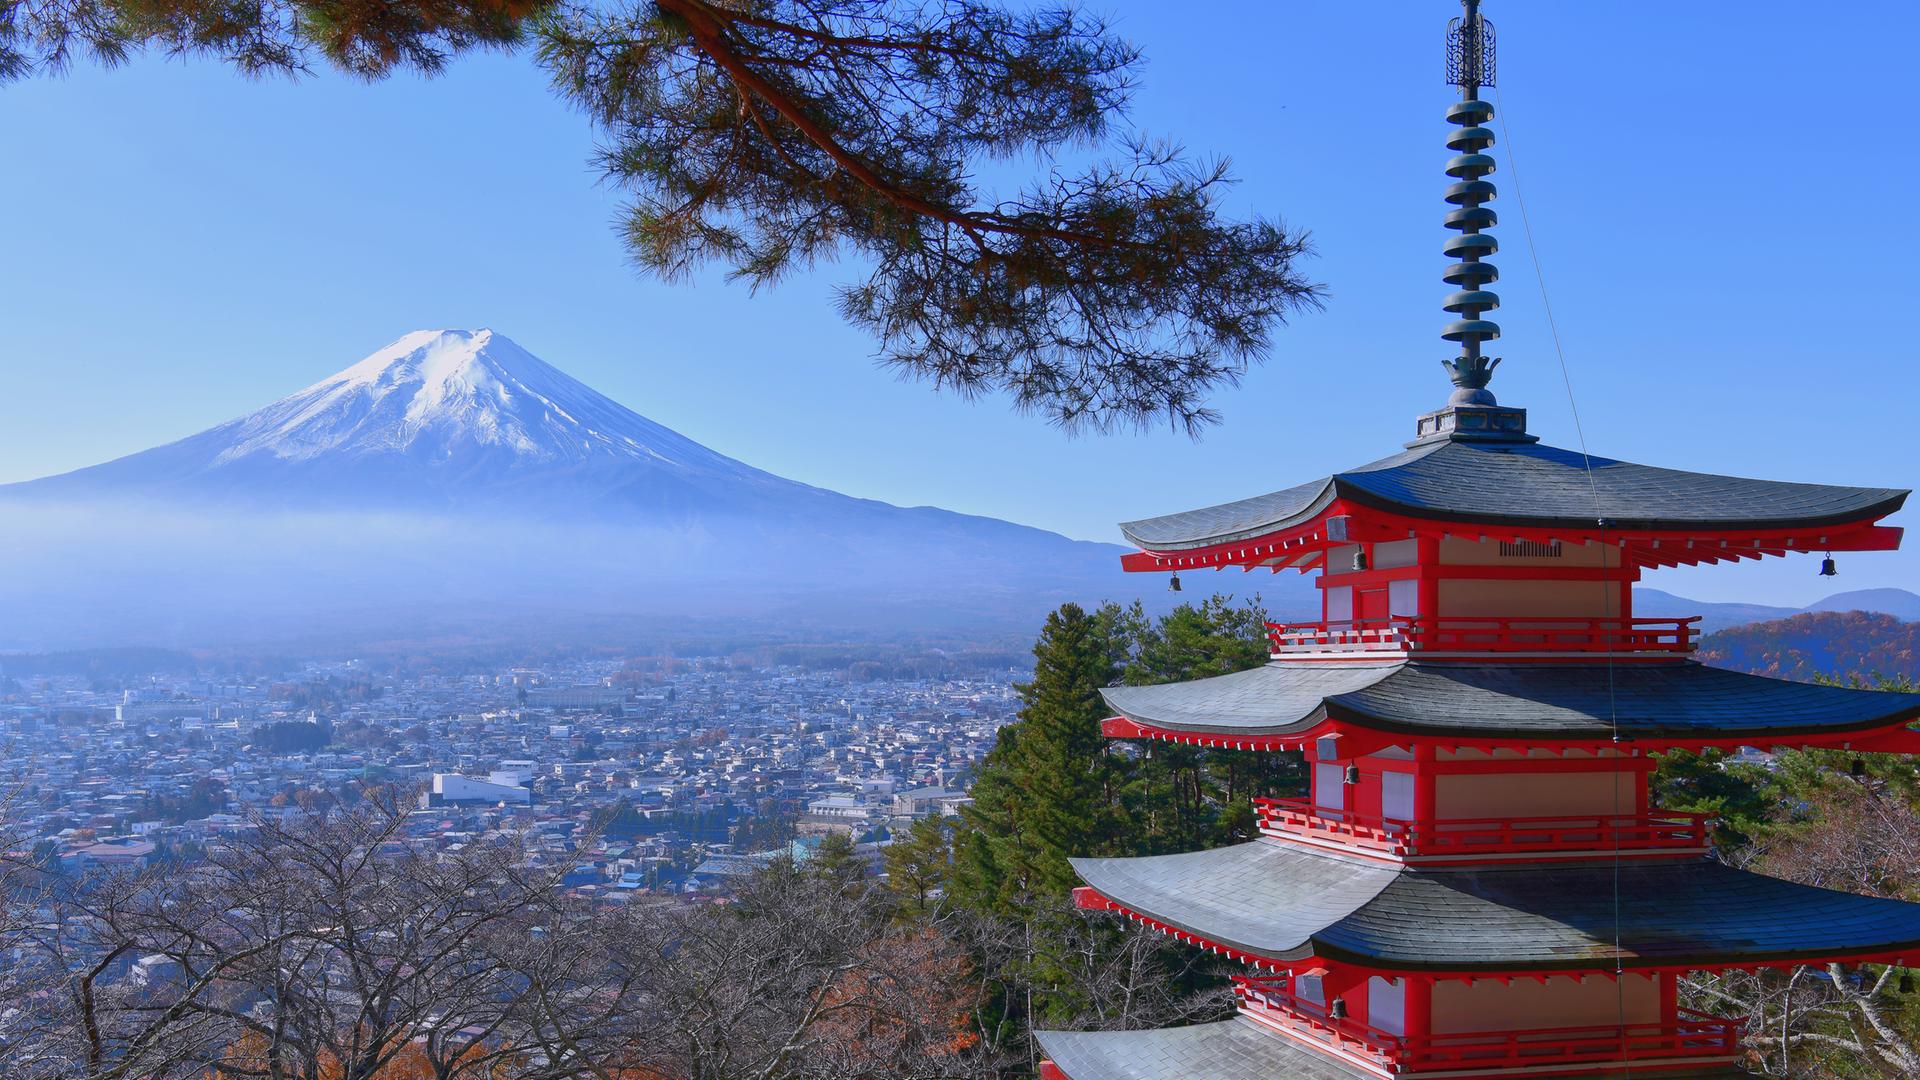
{"x": 1658, "y": 832}
{"x": 1484, "y": 638}
{"x": 1690, "y": 1038}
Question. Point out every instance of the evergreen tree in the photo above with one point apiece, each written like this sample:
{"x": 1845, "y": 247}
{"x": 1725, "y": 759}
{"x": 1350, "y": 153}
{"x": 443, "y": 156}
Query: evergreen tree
{"x": 919, "y": 866}
{"x": 1186, "y": 798}
{"x": 1049, "y": 790}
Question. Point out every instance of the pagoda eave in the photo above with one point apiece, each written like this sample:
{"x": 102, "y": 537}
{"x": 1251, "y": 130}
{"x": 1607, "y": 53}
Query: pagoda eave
{"x": 1273, "y": 904}
{"x": 1318, "y": 956}
{"x": 1287, "y": 705}
{"x": 1246, "y": 1049}
{"x": 1303, "y": 546}
{"x": 1522, "y": 491}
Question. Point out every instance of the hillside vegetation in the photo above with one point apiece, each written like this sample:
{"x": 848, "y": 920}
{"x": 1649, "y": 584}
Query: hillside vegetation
{"x": 1839, "y": 644}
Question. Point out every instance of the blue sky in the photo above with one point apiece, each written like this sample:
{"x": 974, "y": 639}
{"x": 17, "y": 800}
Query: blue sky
{"x": 1723, "y": 199}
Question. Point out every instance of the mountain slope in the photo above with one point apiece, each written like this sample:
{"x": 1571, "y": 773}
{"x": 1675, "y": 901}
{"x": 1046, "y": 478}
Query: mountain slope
{"x": 1841, "y": 644}
{"x": 1656, "y": 604}
{"x": 437, "y": 417}
{"x": 453, "y": 479}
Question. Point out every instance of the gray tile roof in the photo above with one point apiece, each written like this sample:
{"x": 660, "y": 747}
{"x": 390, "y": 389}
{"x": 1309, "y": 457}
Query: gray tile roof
{"x": 1531, "y": 485}
{"x": 1267, "y": 897}
{"x": 1510, "y": 701}
{"x": 1237, "y": 1049}
{"x": 1272, "y": 899}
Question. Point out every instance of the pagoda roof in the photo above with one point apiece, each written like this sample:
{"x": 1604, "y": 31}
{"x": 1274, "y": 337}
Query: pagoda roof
{"x": 1236, "y": 1049}
{"x": 1526, "y": 485}
{"x": 1273, "y": 900}
{"x": 1509, "y": 701}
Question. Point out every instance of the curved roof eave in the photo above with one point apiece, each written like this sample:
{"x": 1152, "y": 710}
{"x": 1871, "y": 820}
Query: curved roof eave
{"x": 1269, "y": 899}
{"x": 1240, "y": 1049}
{"x": 1527, "y": 486}
{"x": 1679, "y": 701}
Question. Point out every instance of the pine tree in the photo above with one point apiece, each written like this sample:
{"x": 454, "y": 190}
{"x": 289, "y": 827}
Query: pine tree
{"x": 1049, "y": 790}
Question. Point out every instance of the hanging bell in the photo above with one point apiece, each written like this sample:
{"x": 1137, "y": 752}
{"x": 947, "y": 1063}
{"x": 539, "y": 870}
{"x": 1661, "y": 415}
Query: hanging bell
{"x": 1906, "y": 982}
{"x": 1353, "y": 774}
{"x": 1359, "y": 558}
{"x": 1827, "y": 568}
{"x": 1338, "y": 1009}
{"x": 1858, "y": 769}
{"x": 1173, "y": 583}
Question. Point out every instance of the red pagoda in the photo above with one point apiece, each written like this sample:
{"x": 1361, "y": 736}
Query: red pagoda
{"x": 1477, "y": 883}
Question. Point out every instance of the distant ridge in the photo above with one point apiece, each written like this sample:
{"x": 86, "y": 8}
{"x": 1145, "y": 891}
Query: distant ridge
{"x": 1837, "y": 644}
{"x": 1654, "y": 603}
{"x": 452, "y": 484}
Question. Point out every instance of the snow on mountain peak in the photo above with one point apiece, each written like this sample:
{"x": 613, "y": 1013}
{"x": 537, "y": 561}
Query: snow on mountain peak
{"x": 440, "y": 395}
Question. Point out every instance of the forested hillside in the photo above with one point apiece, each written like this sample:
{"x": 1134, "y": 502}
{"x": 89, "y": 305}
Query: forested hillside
{"x": 1834, "y": 644}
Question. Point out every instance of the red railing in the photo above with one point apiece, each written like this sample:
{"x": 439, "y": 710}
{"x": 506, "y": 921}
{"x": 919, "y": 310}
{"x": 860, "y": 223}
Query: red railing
{"x": 1447, "y": 634}
{"x": 1657, "y": 830}
{"x": 1689, "y": 1036}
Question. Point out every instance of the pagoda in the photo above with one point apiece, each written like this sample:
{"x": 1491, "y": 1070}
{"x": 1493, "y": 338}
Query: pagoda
{"x": 1477, "y": 883}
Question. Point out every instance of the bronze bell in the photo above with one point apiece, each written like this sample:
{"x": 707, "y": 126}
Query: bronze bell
{"x": 1338, "y": 1010}
{"x": 1906, "y": 982}
{"x": 1827, "y": 568}
{"x": 1173, "y": 583}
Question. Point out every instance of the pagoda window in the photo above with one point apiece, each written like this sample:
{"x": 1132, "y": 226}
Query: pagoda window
{"x": 1519, "y": 599}
{"x": 1387, "y": 1004}
{"x": 1479, "y": 796}
{"x": 1524, "y": 1004}
{"x": 1393, "y": 554}
{"x": 1397, "y": 800}
{"x": 1339, "y": 603}
{"x": 1330, "y": 786}
{"x": 1403, "y": 597}
{"x": 1457, "y": 551}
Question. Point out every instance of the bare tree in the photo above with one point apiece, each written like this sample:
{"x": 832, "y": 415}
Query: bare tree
{"x": 1857, "y": 836}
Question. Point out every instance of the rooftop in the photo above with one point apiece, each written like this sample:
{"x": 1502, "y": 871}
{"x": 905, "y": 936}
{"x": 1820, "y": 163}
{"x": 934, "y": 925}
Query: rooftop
{"x": 1685, "y": 702}
{"x": 1271, "y": 900}
{"x": 1527, "y": 484}
{"x": 1237, "y": 1049}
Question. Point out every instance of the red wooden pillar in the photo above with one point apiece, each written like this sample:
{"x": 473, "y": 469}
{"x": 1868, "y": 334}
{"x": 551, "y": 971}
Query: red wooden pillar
{"x": 1425, "y": 795}
{"x": 1427, "y": 556}
{"x": 1418, "y": 1007}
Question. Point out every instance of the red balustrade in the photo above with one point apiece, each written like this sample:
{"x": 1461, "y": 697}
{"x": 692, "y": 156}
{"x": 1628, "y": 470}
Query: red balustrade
{"x": 1404, "y": 634}
{"x": 1658, "y": 830}
{"x": 1690, "y": 1035}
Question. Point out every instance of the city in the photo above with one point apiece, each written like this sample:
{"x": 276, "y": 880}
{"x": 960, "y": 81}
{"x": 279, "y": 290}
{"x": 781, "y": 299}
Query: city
{"x": 652, "y": 774}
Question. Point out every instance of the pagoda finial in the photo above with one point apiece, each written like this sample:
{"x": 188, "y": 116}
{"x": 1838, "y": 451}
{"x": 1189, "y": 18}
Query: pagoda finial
{"x": 1472, "y": 412}
{"x": 1470, "y": 67}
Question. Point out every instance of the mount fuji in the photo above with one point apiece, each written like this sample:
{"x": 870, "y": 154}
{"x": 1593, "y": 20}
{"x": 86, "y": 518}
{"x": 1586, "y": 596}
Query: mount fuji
{"x": 440, "y": 419}
{"x": 452, "y": 483}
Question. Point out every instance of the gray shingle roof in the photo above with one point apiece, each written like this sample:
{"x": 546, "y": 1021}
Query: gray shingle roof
{"x": 1237, "y": 1049}
{"x": 1272, "y": 899}
{"x": 1509, "y": 701}
{"x": 1531, "y": 485}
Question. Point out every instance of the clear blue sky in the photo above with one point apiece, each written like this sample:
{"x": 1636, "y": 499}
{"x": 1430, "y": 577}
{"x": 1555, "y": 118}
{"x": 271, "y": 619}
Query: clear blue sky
{"x": 1723, "y": 196}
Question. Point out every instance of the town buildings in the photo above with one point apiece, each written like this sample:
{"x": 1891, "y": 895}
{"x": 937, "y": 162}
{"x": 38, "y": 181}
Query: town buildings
{"x": 670, "y": 763}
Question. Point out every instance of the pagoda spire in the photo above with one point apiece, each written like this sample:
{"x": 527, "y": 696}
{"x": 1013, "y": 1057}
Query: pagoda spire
{"x": 1470, "y": 59}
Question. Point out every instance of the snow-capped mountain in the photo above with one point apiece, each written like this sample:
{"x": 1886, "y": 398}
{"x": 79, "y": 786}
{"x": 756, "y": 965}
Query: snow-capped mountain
{"x": 434, "y": 395}
{"x": 453, "y": 473}
{"x": 438, "y": 417}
